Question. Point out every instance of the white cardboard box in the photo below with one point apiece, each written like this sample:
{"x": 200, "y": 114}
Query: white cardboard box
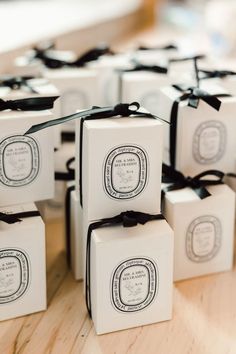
{"x": 76, "y": 239}
{"x": 22, "y": 265}
{"x": 44, "y": 89}
{"x": 78, "y": 89}
{"x": 121, "y": 165}
{"x": 26, "y": 162}
{"x": 205, "y": 137}
{"x": 131, "y": 275}
{"x": 108, "y": 69}
{"x": 203, "y": 229}
{"x": 143, "y": 87}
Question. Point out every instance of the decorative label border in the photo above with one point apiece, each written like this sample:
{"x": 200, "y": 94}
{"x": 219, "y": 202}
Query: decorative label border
{"x": 189, "y": 238}
{"x": 196, "y": 141}
{"x": 153, "y": 284}
{"x": 35, "y": 160}
{"x": 108, "y": 170}
{"x": 24, "y": 265}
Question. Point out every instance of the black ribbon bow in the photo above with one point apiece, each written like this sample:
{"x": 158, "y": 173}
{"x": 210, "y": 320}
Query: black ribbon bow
{"x": 143, "y": 67}
{"x": 198, "y": 183}
{"x": 121, "y": 109}
{"x": 28, "y": 104}
{"x": 16, "y": 217}
{"x": 193, "y": 95}
{"x": 126, "y": 219}
{"x": 17, "y": 82}
{"x": 55, "y": 63}
{"x": 216, "y": 73}
{"x": 165, "y": 47}
{"x": 69, "y": 175}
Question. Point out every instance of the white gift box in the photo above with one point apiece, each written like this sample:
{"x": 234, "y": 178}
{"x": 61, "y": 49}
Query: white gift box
{"x": 26, "y": 161}
{"x": 54, "y": 208}
{"x": 78, "y": 89}
{"x": 131, "y": 275}
{"x": 108, "y": 69}
{"x": 42, "y": 88}
{"x": 143, "y": 87}
{"x": 74, "y": 232}
{"x": 203, "y": 229}
{"x": 121, "y": 168}
{"x": 204, "y": 136}
{"x": 22, "y": 265}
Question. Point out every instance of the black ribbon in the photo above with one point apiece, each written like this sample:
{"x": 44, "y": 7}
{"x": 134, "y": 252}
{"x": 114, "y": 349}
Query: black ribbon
{"x": 143, "y": 67}
{"x": 193, "y": 95}
{"x": 67, "y": 136}
{"x": 121, "y": 109}
{"x": 68, "y": 223}
{"x": 198, "y": 183}
{"x": 127, "y": 219}
{"x": 69, "y": 175}
{"x": 165, "y": 47}
{"x": 17, "y": 82}
{"x": 194, "y": 58}
{"x": 216, "y": 73}
{"x": 28, "y": 104}
{"x": 231, "y": 175}
{"x": 54, "y": 63}
{"x": 16, "y": 217}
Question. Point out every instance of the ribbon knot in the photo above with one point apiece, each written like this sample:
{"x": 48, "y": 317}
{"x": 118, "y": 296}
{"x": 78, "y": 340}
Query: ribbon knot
{"x": 198, "y": 183}
{"x": 133, "y": 218}
{"x": 126, "y": 109}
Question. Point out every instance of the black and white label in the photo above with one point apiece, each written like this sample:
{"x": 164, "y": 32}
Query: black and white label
{"x": 209, "y": 142}
{"x": 134, "y": 284}
{"x": 19, "y": 160}
{"x": 71, "y": 101}
{"x": 125, "y": 172}
{"x": 14, "y": 274}
{"x": 150, "y": 101}
{"x": 203, "y": 238}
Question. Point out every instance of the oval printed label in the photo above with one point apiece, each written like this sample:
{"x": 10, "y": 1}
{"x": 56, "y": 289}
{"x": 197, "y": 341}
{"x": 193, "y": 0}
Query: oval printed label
{"x": 150, "y": 101}
{"x": 19, "y": 160}
{"x": 203, "y": 239}
{"x": 209, "y": 142}
{"x": 134, "y": 284}
{"x": 14, "y": 274}
{"x": 125, "y": 172}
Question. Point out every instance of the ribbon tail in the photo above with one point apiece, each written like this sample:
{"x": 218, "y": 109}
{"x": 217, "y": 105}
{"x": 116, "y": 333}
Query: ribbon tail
{"x": 202, "y": 192}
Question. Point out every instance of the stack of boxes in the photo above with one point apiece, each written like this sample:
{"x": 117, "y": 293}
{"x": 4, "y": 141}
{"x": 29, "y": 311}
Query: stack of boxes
{"x": 26, "y": 176}
{"x": 118, "y": 241}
